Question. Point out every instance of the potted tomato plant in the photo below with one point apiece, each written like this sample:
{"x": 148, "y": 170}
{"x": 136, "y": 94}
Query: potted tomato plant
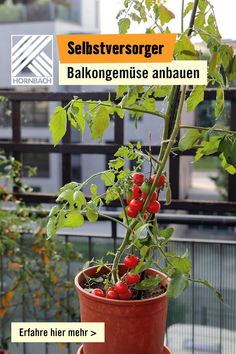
{"x": 130, "y": 292}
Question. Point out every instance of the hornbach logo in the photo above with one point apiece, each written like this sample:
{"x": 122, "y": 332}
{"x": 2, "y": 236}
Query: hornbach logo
{"x": 32, "y": 60}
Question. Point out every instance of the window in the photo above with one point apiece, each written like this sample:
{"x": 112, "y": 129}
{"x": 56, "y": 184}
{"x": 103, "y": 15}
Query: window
{"x": 34, "y": 114}
{"x": 38, "y": 160}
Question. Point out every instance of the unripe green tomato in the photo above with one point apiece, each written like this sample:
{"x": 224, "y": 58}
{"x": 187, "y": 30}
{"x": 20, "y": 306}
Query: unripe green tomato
{"x": 145, "y": 188}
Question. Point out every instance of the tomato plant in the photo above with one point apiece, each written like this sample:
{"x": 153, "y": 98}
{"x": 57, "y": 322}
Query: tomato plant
{"x": 148, "y": 177}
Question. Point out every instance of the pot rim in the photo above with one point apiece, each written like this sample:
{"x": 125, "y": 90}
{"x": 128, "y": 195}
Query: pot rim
{"x": 120, "y": 302}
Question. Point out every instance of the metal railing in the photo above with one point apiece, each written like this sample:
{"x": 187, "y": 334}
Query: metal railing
{"x": 196, "y": 312}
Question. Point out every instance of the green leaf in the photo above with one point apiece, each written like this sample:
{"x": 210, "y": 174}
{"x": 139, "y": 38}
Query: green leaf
{"x": 185, "y": 49}
{"x": 111, "y": 194}
{"x": 124, "y": 25}
{"x": 149, "y": 283}
{"x": 209, "y": 147}
{"x": 214, "y": 63}
{"x": 144, "y": 250}
{"x": 177, "y": 285}
{"x": 51, "y": 228}
{"x": 116, "y": 163}
{"x": 109, "y": 178}
{"x": 100, "y": 123}
{"x": 120, "y": 90}
{"x": 70, "y": 185}
{"x": 120, "y": 112}
{"x": 57, "y": 124}
{"x": 142, "y": 265}
{"x": 91, "y": 213}
{"x": 189, "y": 139}
{"x": 202, "y": 4}
{"x": 79, "y": 116}
{"x": 227, "y": 146}
{"x": 139, "y": 232}
{"x": 162, "y": 91}
{"x": 227, "y": 167}
{"x": 93, "y": 189}
{"x": 226, "y": 53}
{"x": 72, "y": 219}
{"x": 217, "y": 76}
{"x": 166, "y": 233}
{"x": 135, "y": 17}
{"x": 66, "y": 195}
{"x": 124, "y": 151}
{"x": 219, "y": 101}
{"x": 196, "y": 96}
{"x": 149, "y": 3}
{"x": 182, "y": 264}
{"x": 165, "y": 14}
{"x": 232, "y": 73}
{"x": 54, "y": 211}
{"x": 211, "y": 287}
{"x": 79, "y": 198}
{"x": 199, "y": 20}
{"x": 188, "y": 8}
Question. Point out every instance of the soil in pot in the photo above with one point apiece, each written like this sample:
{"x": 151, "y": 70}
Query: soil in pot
{"x": 131, "y": 326}
{"x": 136, "y": 295}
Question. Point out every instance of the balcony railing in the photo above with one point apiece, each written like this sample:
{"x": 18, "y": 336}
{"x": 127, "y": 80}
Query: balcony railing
{"x": 196, "y": 320}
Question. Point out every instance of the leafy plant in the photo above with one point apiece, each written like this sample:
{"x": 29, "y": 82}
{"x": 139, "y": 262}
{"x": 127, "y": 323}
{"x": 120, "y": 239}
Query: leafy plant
{"x": 140, "y": 223}
{"x": 33, "y": 269}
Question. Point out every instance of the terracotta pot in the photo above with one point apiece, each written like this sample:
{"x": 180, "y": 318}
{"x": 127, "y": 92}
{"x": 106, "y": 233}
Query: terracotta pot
{"x": 4, "y": 351}
{"x": 131, "y": 326}
{"x": 166, "y": 350}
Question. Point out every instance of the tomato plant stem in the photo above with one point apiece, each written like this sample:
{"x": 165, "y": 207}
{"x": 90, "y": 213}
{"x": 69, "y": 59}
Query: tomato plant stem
{"x": 218, "y": 130}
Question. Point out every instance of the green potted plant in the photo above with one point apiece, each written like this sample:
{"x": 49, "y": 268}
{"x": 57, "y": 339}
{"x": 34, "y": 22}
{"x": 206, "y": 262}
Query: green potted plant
{"x": 130, "y": 292}
{"x": 30, "y": 267}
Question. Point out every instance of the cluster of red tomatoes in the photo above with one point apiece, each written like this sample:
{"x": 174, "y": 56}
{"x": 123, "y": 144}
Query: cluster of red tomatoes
{"x": 121, "y": 289}
{"x": 136, "y": 197}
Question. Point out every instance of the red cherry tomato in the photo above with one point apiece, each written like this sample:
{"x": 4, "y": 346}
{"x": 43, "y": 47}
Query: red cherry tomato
{"x": 136, "y": 204}
{"x": 154, "y": 196}
{"x": 128, "y": 201}
{"x": 153, "y": 207}
{"x": 131, "y": 278}
{"x": 120, "y": 287}
{"x": 161, "y": 181}
{"x": 111, "y": 294}
{"x": 131, "y": 261}
{"x": 98, "y": 292}
{"x": 138, "y": 178}
{"x": 131, "y": 213}
{"x": 136, "y": 192}
{"x": 126, "y": 296}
